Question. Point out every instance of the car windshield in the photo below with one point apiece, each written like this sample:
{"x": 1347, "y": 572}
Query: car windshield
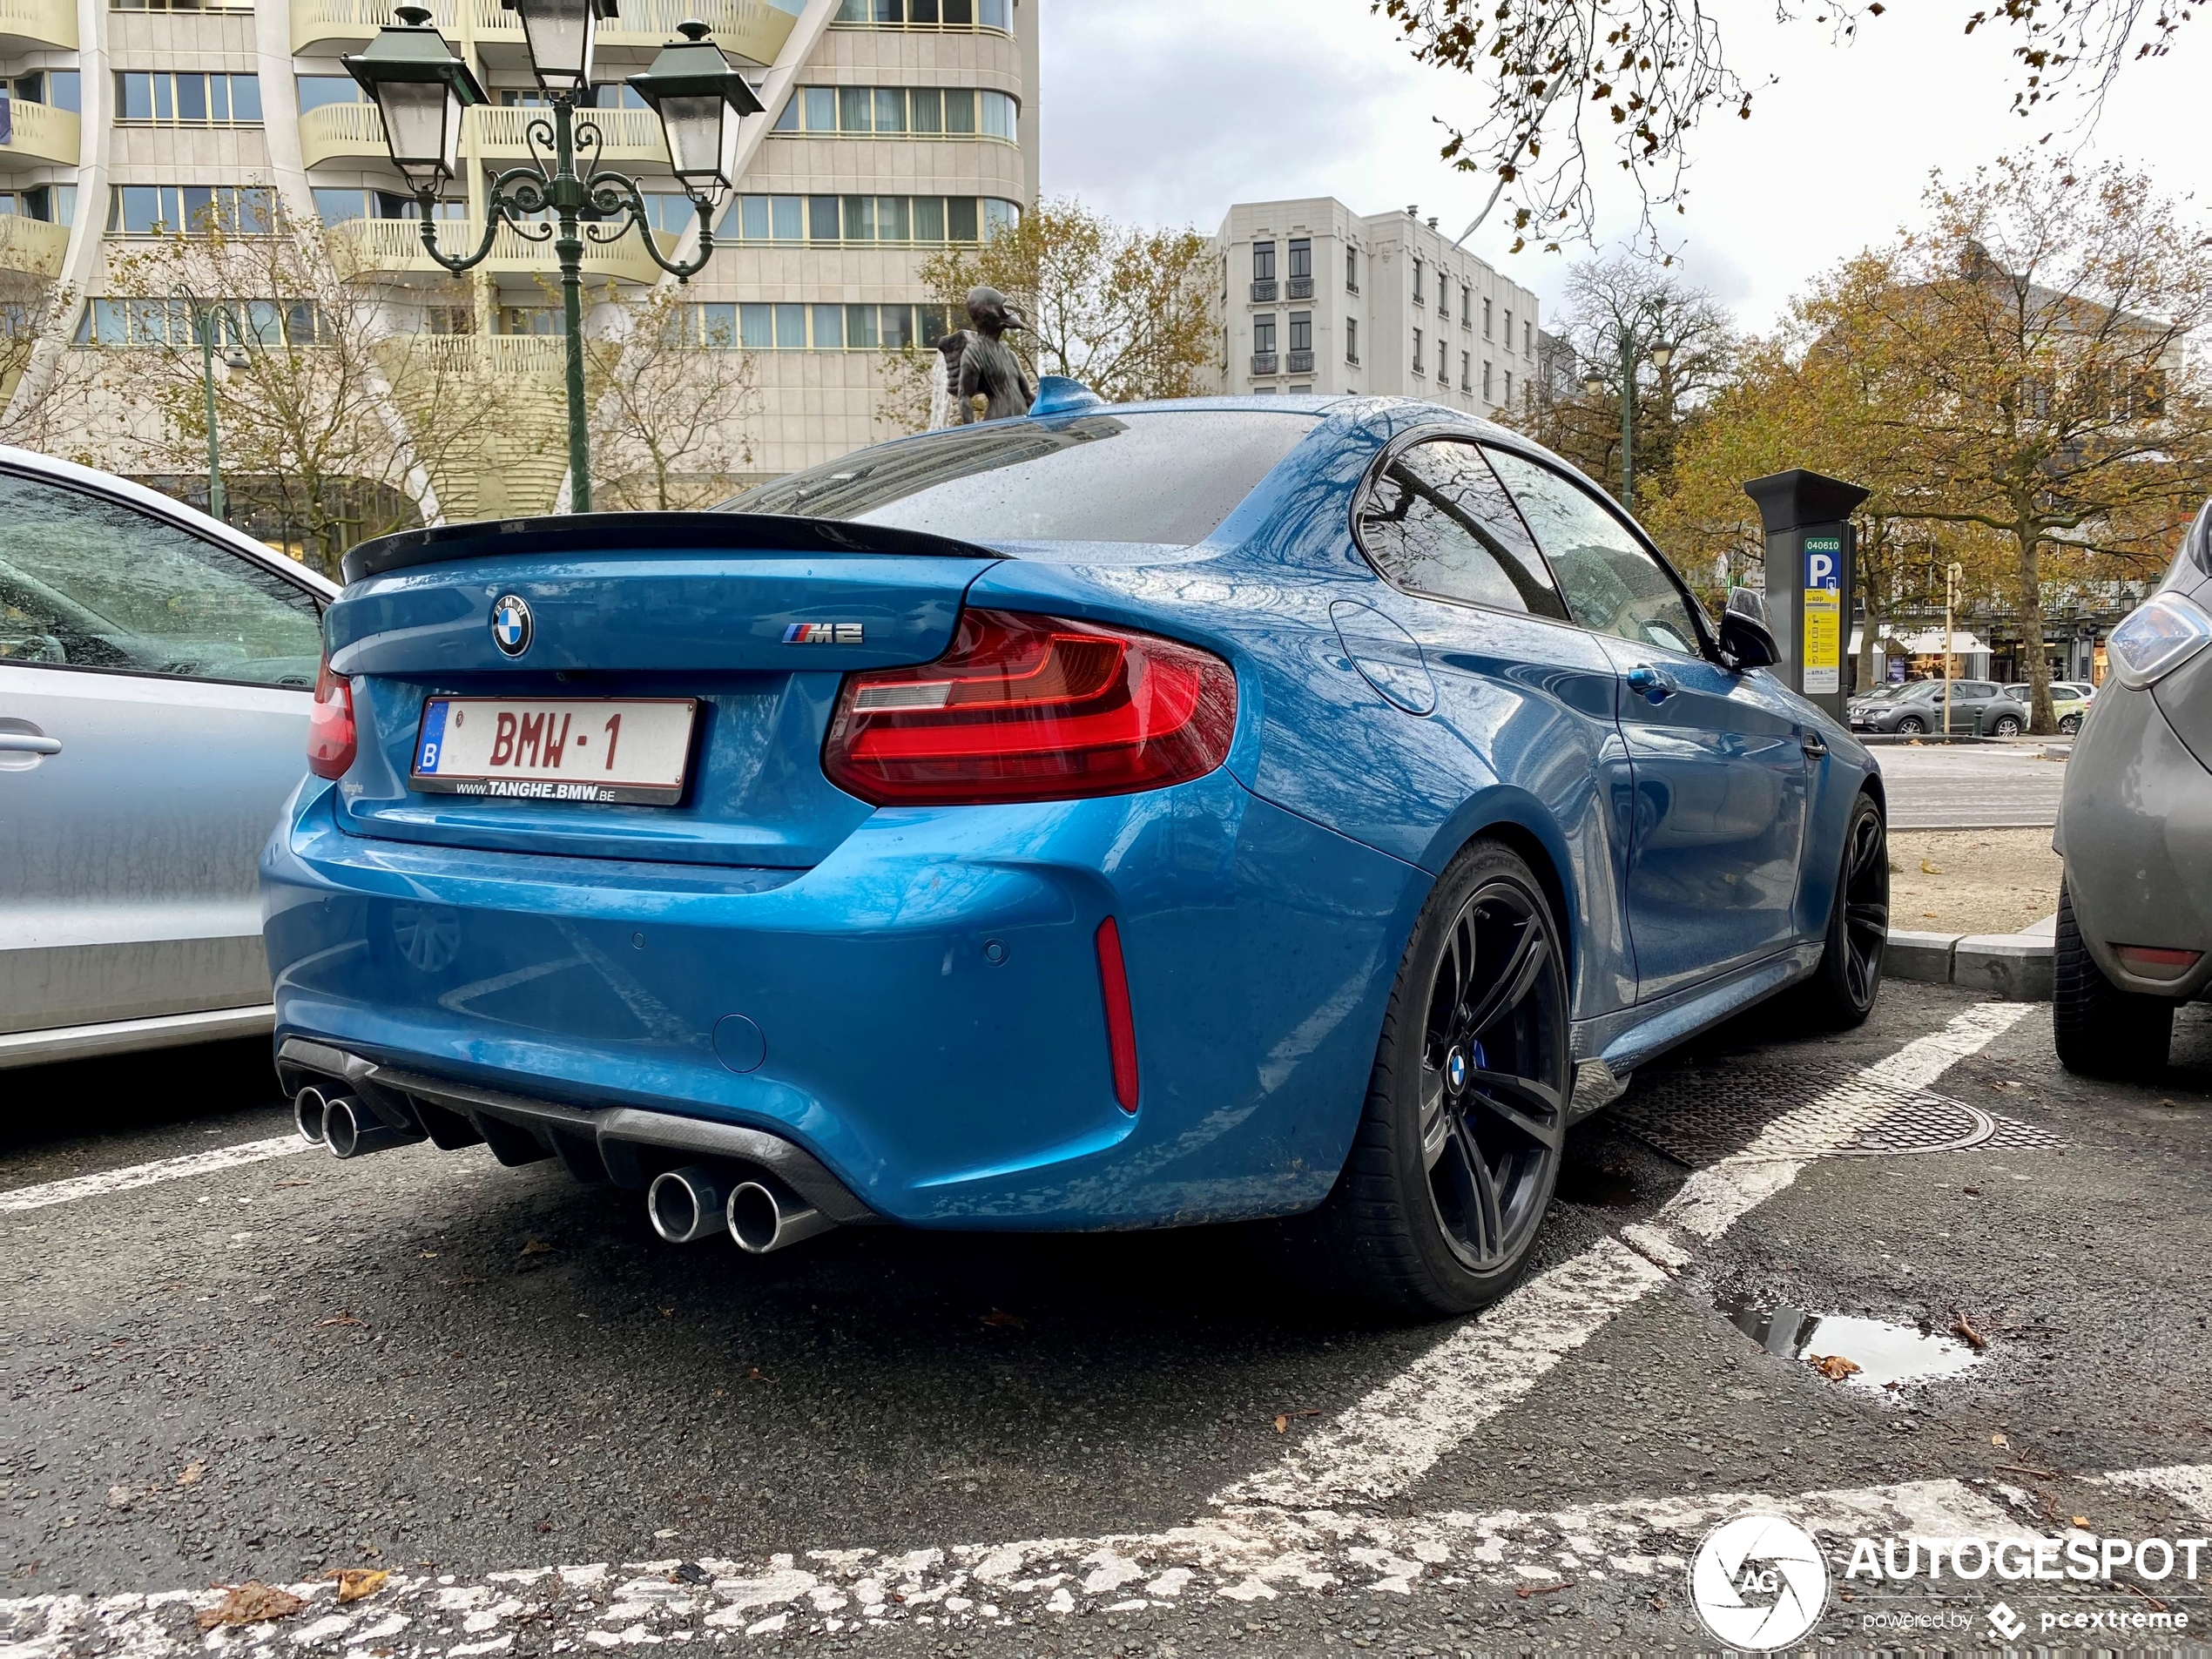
{"x": 1166, "y": 478}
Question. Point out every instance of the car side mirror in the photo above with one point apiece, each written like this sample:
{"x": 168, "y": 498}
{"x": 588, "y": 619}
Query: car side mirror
{"x": 1746, "y": 641}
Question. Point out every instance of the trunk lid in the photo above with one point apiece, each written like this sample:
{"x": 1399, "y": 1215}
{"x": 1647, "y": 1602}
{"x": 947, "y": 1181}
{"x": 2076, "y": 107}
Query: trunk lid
{"x": 757, "y": 618}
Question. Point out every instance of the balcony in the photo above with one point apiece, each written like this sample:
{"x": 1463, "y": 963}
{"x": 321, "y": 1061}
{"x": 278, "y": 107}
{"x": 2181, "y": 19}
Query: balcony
{"x": 32, "y": 246}
{"x": 751, "y": 29}
{"x": 1301, "y": 287}
{"x": 1264, "y": 362}
{"x": 38, "y": 25}
{"x": 349, "y": 132}
{"x": 393, "y": 247}
{"x": 336, "y": 25}
{"x": 519, "y": 356}
{"x": 1301, "y": 363}
{"x": 44, "y": 136}
{"x": 626, "y": 135}
{"x": 1263, "y": 292}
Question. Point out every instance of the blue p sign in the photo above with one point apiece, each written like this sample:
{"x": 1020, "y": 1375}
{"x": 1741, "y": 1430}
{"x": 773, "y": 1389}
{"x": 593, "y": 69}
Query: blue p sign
{"x": 1824, "y": 554}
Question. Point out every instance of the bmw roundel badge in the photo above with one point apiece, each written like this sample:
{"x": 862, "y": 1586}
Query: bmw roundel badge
{"x": 510, "y": 625}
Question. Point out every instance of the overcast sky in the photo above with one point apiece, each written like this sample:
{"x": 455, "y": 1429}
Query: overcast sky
{"x": 1167, "y": 111}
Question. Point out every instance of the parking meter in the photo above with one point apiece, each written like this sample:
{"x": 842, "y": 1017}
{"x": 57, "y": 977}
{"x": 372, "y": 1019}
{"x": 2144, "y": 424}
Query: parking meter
{"x": 1812, "y": 578}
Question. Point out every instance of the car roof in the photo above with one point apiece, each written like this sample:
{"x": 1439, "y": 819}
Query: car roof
{"x": 168, "y": 507}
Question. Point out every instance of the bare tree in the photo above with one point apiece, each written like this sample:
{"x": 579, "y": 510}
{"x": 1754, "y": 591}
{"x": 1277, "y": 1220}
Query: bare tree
{"x": 671, "y": 394}
{"x": 42, "y": 383}
{"x": 1558, "y": 76}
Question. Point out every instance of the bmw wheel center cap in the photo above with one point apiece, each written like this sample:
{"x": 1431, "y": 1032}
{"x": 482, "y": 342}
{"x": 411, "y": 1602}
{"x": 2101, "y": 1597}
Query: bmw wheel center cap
{"x": 510, "y": 625}
{"x": 1455, "y": 1070}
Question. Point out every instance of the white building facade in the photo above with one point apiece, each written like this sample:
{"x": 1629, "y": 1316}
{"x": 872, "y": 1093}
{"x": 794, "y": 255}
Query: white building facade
{"x": 894, "y": 129}
{"x": 1316, "y": 298}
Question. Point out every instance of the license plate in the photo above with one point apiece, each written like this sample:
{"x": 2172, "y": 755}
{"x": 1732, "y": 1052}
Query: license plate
{"x": 591, "y": 749}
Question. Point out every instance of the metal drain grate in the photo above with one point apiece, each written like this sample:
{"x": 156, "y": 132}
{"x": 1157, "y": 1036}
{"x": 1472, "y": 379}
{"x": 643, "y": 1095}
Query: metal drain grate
{"x": 1698, "y": 1116}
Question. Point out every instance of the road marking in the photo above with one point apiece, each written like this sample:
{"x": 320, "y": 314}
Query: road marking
{"x": 1381, "y": 1446}
{"x": 147, "y": 1174}
{"x": 1251, "y": 1555}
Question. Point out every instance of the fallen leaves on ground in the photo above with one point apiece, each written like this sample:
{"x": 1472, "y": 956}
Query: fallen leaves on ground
{"x": 274, "y": 1185}
{"x": 1998, "y": 1440}
{"x": 2082, "y": 1521}
{"x": 1833, "y": 1366}
{"x": 189, "y": 1475}
{"x": 1927, "y": 868}
{"x": 757, "y": 1375}
{"x": 536, "y": 1247}
{"x": 1963, "y": 1328}
{"x": 342, "y": 1318}
{"x": 252, "y": 1603}
{"x": 357, "y": 1583}
{"x": 1283, "y": 1419}
{"x": 1524, "y": 1591}
{"x": 1000, "y": 1317}
{"x": 461, "y": 1279}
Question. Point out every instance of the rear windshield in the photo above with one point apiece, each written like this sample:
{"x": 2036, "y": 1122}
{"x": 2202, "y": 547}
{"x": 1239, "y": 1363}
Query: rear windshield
{"x": 1167, "y": 477}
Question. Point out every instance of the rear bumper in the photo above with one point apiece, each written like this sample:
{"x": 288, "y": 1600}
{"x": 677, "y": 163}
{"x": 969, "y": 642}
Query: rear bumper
{"x": 921, "y": 1012}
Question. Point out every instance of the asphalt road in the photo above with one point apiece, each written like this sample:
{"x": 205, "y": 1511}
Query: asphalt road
{"x": 1971, "y": 786}
{"x": 894, "y": 1442}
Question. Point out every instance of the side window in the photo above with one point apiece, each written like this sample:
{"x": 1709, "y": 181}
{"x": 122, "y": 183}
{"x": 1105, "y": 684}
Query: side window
{"x": 1438, "y": 522}
{"x": 1614, "y": 585}
{"x": 88, "y": 582}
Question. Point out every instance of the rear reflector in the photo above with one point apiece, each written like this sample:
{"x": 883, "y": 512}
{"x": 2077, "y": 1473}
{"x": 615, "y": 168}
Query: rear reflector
{"x": 1121, "y": 1026}
{"x": 2154, "y": 962}
{"x": 1032, "y": 708}
{"x": 330, "y": 725}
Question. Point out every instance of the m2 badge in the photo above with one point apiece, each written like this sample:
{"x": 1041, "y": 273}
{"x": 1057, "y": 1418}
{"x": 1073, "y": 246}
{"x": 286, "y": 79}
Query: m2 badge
{"x": 825, "y": 633}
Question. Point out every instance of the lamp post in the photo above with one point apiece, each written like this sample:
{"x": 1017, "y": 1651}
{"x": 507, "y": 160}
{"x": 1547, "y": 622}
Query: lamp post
{"x": 421, "y": 89}
{"x": 1594, "y": 383}
{"x": 204, "y": 315}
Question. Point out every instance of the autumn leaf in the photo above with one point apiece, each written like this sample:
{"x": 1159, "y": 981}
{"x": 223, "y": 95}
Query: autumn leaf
{"x": 1960, "y": 1327}
{"x": 1927, "y": 868}
{"x": 536, "y": 1247}
{"x": 252, "y": 1603}
{"x": 190, "y": 1474}
{"x": 1000, "y": 1317}
{"x": 357, "y": 1583}
{"x": 1998, "y": 1440}
{"x": 1833, "y": 1366}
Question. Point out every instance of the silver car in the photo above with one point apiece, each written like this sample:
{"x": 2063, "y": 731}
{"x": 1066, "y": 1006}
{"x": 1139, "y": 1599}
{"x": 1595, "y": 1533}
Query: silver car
{"x": 156, "y": 671}
{"x": 2135, "y": 929}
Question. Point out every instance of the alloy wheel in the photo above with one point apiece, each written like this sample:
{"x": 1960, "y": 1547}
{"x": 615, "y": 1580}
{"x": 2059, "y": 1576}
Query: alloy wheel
{"x": 1495, "y": 1073}
{"x": 1866, "y": 906}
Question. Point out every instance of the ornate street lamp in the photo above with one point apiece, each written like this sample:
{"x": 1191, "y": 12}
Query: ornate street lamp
{"x": 423, "y": 88}
{"x": 205, "y": 314}
{"x": 1594, "y": 383}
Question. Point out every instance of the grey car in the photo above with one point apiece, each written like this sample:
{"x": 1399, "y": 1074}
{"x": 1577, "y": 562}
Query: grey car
{"x": 2134, "y": 928}
{"x": 1976, "y": 706}
{"x": 156, "y": 671}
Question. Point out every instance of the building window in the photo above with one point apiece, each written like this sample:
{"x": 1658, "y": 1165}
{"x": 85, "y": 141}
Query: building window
{"x": 49, "y": 204}
{"x": 1301, "y": 331}
{"x": 188, "y": 99}
{"x": 1351, "y": 341}
{"x": 726, "y": 327}
{"x": 1418, "y": 367}
{"x": 1509, "y": 330}
{"x": 1509, "y": 385}
{"x": 180, "y": 5}
{"x": 1467, "y": 306}
{"x": 1486, "y": 398}
{"x": 916, "y": 220}
{"x": 168, "y": 322}
{"x": 336, "y": 206}
{"x": 1301, "y": 258}
{"x": 57, "y": 89}
{"x": 1263, "y": 261}
{"x": 316, "y": 91}
{"x": 1264, "y": 333}
{"x": 926, "y": 14}
{"x": 1443, "y": 300}
{"x": 1527, "y": 339}
{"x": 1467, "y": 371}
{"x": 901, "y": 112}
{"x": 1351, "y": 270}
{"x": 1486, "y": 323}
{"x": 155, "y": 210}
{"x": 1416, "y": 282}
{"x": 1443, "y": 366}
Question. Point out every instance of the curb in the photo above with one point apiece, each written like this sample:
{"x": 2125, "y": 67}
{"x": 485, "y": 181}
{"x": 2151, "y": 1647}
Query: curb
{"x": 2012, "y": 968}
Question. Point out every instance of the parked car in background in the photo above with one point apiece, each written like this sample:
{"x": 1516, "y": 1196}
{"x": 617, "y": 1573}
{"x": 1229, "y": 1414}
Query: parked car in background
{"x": 156, "y": 668}
{"x": 1109, "y": 817}
{"x": 2134, "y": 928}
{"x": 1978, "y": 707}
{"x": 2070, "y": 701}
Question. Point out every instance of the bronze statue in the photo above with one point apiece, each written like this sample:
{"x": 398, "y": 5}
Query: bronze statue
{"x": 981, "y": 373}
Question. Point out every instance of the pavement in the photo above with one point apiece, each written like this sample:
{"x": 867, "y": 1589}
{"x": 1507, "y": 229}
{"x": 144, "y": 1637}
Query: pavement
{"x": 226, "y": 1360}
{"x": 1999, "y": 784}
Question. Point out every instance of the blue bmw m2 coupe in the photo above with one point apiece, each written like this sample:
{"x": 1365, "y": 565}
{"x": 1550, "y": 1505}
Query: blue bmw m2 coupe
{"x": 1116, "y": 817}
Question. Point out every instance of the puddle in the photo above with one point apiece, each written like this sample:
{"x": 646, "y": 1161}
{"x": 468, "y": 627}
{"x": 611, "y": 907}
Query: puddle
{"x": 1886, "y": 1353}
{"x": 1597, "y": 1187}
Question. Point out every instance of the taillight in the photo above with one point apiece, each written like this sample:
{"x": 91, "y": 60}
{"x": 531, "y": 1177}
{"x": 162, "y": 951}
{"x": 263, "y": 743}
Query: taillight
{"x": 1032, "y": 708}
{"x": 330, "y": 725}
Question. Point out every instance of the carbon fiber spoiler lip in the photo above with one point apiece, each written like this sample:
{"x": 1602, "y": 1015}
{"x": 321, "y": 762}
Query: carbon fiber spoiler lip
{"x": 645, "y": 534}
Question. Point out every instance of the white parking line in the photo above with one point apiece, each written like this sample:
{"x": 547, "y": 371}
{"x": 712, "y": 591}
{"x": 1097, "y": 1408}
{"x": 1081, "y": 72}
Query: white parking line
{"x": 1251, "y": 1555}
{"x": 1389, "y": 1440}
{"x": 146, "y": 1174}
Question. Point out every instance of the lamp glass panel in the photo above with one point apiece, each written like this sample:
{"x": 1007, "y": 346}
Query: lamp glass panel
{"x": 694, "y": 130}
{"x": 560, "y": 35}
{"x": 423, "y": 132}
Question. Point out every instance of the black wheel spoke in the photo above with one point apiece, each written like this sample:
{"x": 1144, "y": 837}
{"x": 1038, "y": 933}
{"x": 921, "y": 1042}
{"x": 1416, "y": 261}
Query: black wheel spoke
{"x": 1436, "y": 1119}
{"x": 1512, "y": 987}
{"x": 1868, "y": 916}
{"x": 1529, "y": 1106}
{"x": 1489, "y": 1216}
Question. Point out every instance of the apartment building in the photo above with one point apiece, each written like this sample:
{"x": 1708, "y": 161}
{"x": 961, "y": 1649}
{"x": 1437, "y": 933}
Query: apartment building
{"x": 1316, "y": 298}
{"x": 894, "y": 128}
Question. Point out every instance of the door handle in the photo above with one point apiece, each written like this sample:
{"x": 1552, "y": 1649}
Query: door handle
{"x": 1814, "y": 745}
{"x": 21, "y": 743}
{"x": 1649, "y": 684}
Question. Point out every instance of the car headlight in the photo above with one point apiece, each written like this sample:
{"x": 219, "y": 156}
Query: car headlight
{"x": 2157, "y": 638}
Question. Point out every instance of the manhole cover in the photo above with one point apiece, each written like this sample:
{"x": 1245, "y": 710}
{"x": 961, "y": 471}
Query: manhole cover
{"x": 1701, "y": 1114}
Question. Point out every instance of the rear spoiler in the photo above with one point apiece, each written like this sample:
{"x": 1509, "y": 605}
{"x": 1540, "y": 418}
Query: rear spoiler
{"x": 646, "y": 535}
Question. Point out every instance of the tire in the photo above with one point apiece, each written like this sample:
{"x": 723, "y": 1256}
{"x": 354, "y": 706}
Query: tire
{"x": 2004, "y": 726}
{"x": 1411, "y": 1226}
{"x": 1841, "y": 990}
{"x": 2071, "y": 725}
{"x": 2101, "y": 1030}
{"x": 1910, "y": 727}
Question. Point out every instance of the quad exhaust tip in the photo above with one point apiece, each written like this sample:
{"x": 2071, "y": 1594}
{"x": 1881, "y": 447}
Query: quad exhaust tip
{"x": 762, "y": 1219}
{"x": 308, "y": 1109}
{"x": 351, "y": 1131}
{"x": 685, "y": 1205}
